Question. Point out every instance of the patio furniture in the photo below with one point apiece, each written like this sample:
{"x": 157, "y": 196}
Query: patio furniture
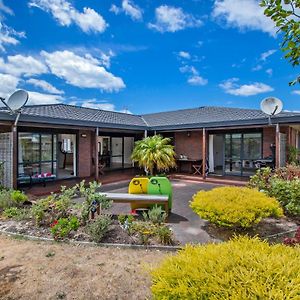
{"x": 139, "y": 199}
{"x": 188, "y": 163}
{"x": 25, "y": 179}
{"x": 198, "y": 169}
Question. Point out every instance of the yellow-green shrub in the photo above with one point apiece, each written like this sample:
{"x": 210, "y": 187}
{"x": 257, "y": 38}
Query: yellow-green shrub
{"x": 240, "y": 269}
{"x": 235, "y": 206}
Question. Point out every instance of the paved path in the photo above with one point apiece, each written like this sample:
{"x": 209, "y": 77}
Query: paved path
{"x": 187, "y": 226}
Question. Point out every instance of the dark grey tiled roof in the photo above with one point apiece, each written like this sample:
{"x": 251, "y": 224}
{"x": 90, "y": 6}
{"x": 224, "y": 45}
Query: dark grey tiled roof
{"x": 75, "y": 115}
{"x": 63, "y": 114}
{"x": 209, "y": 116}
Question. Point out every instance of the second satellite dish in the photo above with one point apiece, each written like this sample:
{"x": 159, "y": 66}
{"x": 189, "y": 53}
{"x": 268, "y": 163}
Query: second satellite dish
{"x": 17, "y": 100}
{"x": 271, "y": 106}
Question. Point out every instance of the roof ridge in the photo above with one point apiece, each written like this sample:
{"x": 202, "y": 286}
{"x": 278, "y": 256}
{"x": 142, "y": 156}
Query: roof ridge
{"x": 200, "y": 107}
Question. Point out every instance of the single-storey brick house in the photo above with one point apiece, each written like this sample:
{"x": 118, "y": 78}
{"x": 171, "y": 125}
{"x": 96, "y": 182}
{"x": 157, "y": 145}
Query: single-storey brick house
{"x": 61, "y": 141}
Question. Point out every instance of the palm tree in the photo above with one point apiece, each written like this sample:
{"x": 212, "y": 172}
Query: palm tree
{"x": 154, "y": 154}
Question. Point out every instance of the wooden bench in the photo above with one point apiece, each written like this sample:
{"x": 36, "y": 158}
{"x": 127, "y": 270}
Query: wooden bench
{"x": 138, "y": 199}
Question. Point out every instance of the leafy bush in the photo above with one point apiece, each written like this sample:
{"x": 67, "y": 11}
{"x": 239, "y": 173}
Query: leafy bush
{"x": 18, "y": 197}
{"x": 41, "y": 211}
{"x": 11, "y": 198}
{"x": 235, "y": 206}
{"x": 261, "y": 179}
{"x": 5, "y": 199}
{"x": 16, "y": 213}
{"x": 156, "y": 215}
{"x": 242, "y": 268}
{"x": 61, "y": 228}
{"x": 287, "y": 193}
{"x": 165, "y": 235}
{"x": 294, "y": 240}
{"x": 125, "y": 221}
{"x": 99, "y": 227}
{"x": 92, "y": 199}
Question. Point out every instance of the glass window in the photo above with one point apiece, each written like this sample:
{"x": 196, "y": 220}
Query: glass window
{"x": 46, "y": 147}
{"x": 252, "y": 146}
{"x": 29, "y": 147}
{"x": 37, "y": 153}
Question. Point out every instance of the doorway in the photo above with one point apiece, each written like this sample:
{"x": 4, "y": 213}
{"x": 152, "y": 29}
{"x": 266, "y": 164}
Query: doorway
{"x": 234, "y": 154}
{"x": 115, "y": 152}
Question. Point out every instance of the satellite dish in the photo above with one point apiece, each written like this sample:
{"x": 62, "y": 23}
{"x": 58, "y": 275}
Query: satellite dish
{"x": 271, "y": 106}
{"x": 17, "y": 100}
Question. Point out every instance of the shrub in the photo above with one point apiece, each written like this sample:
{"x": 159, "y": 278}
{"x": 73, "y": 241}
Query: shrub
{"x": 235, "y": 206}
{"x": 156, "y": 215}
{"x": 126, "y": 221}
{"x": 92, "y": 199}
{"x": 62, "y": 227}
{"x": 16, "y": 213}
{"x": 18, "y": 197}
{"x": 5, "y": 199}
{"x": 242, "y": 268}
{"x": 11, "y": 198}
{"x": 261, "y": 179}
{"x": 287, "y": 192}
{"x": 99, "y": 227}
{"x": 165, "y": 235}
{"x": 293, "y": 241}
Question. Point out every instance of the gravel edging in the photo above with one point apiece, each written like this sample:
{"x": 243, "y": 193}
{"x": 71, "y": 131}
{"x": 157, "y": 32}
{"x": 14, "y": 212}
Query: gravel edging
{"x": 92, "y": 244}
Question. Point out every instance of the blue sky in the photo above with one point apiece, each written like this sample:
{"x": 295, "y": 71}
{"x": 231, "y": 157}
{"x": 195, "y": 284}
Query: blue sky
{"x": 143, "y": 56}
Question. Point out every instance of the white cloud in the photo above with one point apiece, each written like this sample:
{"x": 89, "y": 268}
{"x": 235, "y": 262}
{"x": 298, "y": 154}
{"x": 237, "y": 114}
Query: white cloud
{"x": 197, "y": 80}
{"x": 296, "y": 92}
{"x": 8, "y": 84}
{"x": 84, "y": 72}
{"x": 5, "y": 8}
{"x": 93, "y": 103}
{"x": 194, "y": 77}
{"x": 257, "y": 68}
{"x": 106, "y": 57}
{"x": 129, "y": 8}
{"x": 188, "y": 69}
{"x": 269, "y": 71}
{"x": 98, "y": 104}
{"x": 40, "y": 98}
{"x": 231, "y": 87}
{"x": 266, "y": 54}
{"x": 172, "y": 19}
{"x": 66, "y": 14}
{"x": 184, "y": 54}
{"x": 22, "y": 65}
{"x": 132, "y": 10}
{"x": 9, "y": 36}
{"x": 45, "y": 86}
{"x": 244, "y": 15}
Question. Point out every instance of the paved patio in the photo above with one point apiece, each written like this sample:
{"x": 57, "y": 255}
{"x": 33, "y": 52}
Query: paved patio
{"x": 187, "y": 226}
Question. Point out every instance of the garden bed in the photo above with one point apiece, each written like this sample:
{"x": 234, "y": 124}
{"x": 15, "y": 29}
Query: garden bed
{"x": 81, "y": 214}
{"x": 271, "y": 229}
{"x": 115, "y": 234}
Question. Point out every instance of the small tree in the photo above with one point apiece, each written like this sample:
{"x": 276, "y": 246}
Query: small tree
{"x": 286, "y": 16}
{"x": 154, "y": 153}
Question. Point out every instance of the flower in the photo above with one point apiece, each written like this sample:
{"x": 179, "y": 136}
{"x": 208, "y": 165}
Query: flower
{"x": 55, "y": 222}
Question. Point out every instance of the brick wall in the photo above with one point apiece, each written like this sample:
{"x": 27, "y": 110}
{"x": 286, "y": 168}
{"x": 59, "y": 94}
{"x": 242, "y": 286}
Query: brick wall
{"x": 269, "y": 134}
{"x": 191, "y": 146}
{"x": 85, "y": 154}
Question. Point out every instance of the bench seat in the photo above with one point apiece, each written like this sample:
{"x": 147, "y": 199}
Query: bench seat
{"x": 138, "y": 199}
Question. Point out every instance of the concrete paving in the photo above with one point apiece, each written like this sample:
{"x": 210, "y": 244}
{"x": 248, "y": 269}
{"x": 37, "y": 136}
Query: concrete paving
{"x": 187, "y": 226}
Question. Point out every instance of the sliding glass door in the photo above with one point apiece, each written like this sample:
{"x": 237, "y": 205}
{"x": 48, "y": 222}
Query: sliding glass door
{"x": 241, "y": 150}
